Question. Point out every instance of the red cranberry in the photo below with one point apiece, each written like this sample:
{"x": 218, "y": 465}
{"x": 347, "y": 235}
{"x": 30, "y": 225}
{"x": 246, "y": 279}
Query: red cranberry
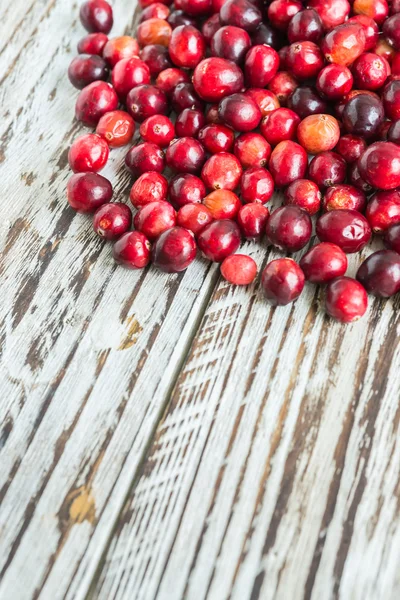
{"x": 189, "y": 122}
{"x": 111, "y": 220}
{"x": 391, "y": 99}
{"x": 281, "y": 124}
{"x": 391, "y": 31}
{"x": 127, "y": 74}
{"x": 145, "y": 157}
{"x": 184, "y": 96}
{"x": 326, "y": 169}
{"x": 305, "y": 25}
{"x": 304, "y": 60}
{"x": 222, "y": 171}
{"x": 120, "y": 47}
{"x": 87, "y": 191}
{"x": 85, "y": 69}
{"x": 132, "y": 250}
{"x": 393, "y": 134}
{"x": 283, "y": 85}
{"x": 342, "y": 196}
{"x": 154, "y": 218}
{"x": 94, "y": 101}
{"x": 149, "y": 187}
{"x": 289, "y": 228}
{"x": 252, "y": 150}
{"x": 282, "y": 281}
{"x": 219, "y": 239}
{"x": 305, "y": 194}
{"x": 214, "y": 78}
{"x": 88, "y": 153}
{"x": 92, "y": 44}
{"x": 239, "y": 269}
{"x": 256, "y": 185}
{"x": 187, "y": 47}
{"x": 371, "y": 30}
{"x": 265, "y": 34}
{"x": 261, "y": 65}
{"x": 240, "y": 13}
{"x": 380, "y": 273}
{"x": 349, "y": 229}
{"x": 155, "y": 11}
{"x": 154, "y": 31}
{"x": 346, "y": 299}
{"x": 195, "y": 8}
{"x": 391, "y": 237}
{"x": 222, "y": 204}
{"x": 185, "y": 155}
{"x": 145, "y": 3}
{"x": 144, "y": 101}
{"x": 280, "y": 13}
{"x": 174, "y": 250}
{"x": 324, "y": 262}
{"x": 334, "y": 81}
{"x": 231, "y": 43}
{"x": 252, "y": 219}
{"x": 370, "y": 71}
{"x": 380, "y": 165}
{"x": 383, "y": 210}
{"x": 217, "y": 138}
{"x": 96, "y": 16}
{"x": 186, "y": 189}
{"x": 178, "y": 17}
{"x": 363, "y": 115}
{"x": 288, "y": 162}
{"x": 210, "y": 27}
{"x": 116, "y": 127}
{"x": 351, "y": 147}
{"x": 344, "y": 44}
{"x": 305, "y": 101}
{"x": 157, "y": 129}
{"x": 156, "y": 58}
{"x": 332, "y": 12}
{"x": 194, "y": 217}
{"x": 168, "y": 79}
{"x": 240, "y": 112}
{"x": 265, "y": 100}
{"x": 318, "y": 133}
{"x": 356, "y": 179}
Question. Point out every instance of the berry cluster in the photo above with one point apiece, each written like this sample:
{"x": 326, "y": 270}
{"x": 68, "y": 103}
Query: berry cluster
{"x": 255, "y": 88}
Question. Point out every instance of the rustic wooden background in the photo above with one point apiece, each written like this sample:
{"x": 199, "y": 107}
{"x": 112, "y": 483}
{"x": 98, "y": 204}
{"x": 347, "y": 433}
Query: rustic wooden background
{"x": 164, "y": 436}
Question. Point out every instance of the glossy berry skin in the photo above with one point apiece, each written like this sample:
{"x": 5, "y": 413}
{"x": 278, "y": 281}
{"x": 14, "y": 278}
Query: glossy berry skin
{"x": 145, "y": 157}
{"x": 87, "y": 191}
{"x": 279, "y": 125}
{"x": 304, "y": 194}
{"x": 156, "y": 58}
{"x": 219, "y": 239}
{"x": 127, "y": 74}
{"x": 118, "y": 48}
{"x": 363, "y": 115}
{"x": 391, "y": 99}
{"x": 282, "y": 281}
{"x": 370, "y": 71}
{"x": 383, "y": 210}
{"x": 186, "y": 188}
{"x": 256, "y": 185}
{"x": 356, "y": 179}
{"x": 260, "y": 66}
{"x": 331, "y": 12}
{"x": 111, "y": 220}
{"x": 327, "y": 168}
{"x": 304, "y": 60}
{"x": 252, "y": 219}
{"x": 380, "y": 273}
{"x": 214, "y": 78}
{"x": 231, "y": 43}
{"x": 305, "y": 101}
{"x": 265, "y": 100}
{"x": 94, "y": 101}
{"x": 252, "y": 150}
{"x": 154, "y": 31}
{"x": 376, "y": 9}
{"x": 157, "y": 129}
{"x": 144, "y": 101}
{"x": 350, "y": 147}
{"x": 88, "y": 153}
{"x": 222, "y": 204}
{"x": 391, "y": 237}
{"x": 178, "y": 18}
{"x": 324, "y": 262}
{"x": 96, "y": 16}
{"x": 240, "y": 13}
{"x": 371, "y": 30}
{"x": 149, "y": 187}
{"x": 265, "y": 34}
{"x": 288, "y": 162}
{"x": 344, "y": 44}
{"x": 174, "y": 250}
{"x": 155, "y": 11}
{"x": 391, "y": 31}
{"x": 283, "y": 85}
{"x": 305, "y": 25}
{"x": 334, "y": 81}
{"x": 380, "y": 165}
{"x": 187, "y": 47}
{"x": 217, "y": 138}
{"x": 194, "y": 217}
{"x": 318, "y": 133}
{"x": 185, "y": 155}
{"x": 239, "y": 269}
{"x": 168, "y": 79}
{"x": 222, "y": 171}
{"x": 85, "y": 69}
{"x": 154, "y": 218}
{"x": 184, "y": 96}
{"x": 289, "y": 228}
{"x": 189, "y": 122}
{"x": 346, "y": 300}
{"x": 93, "y": 43}
{"x": 239, "y": 112}
{"x": 116, "y": 128}
{"x": 132, "y": 250}
{"x": 344, "y": 196}
{"x": 280, "y": 13}
{"x": 349, "y": 229}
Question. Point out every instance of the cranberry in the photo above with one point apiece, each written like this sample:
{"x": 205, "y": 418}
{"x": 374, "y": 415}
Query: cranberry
{"x": 174, "y": 250}
{"x": 349, "y": 229}
{"x": 252, "y": 219}
{"x": 154, "y": 31}
{"x": 318, "y": 133}
{"x": 217, "y": 138}
{"x": 88, "y": 153}
{"x": 380, "y": 165}
{"x": 376, "y": 9}
{"x": 280, "y": 13}
{"x": 305, "y": 101}
{"x": 283, "y": 85}
{"x": 156, "y": 58}
{"x": 94, "y": 101}
{"x": 116, "y": 127}
{"x": 289, "y": 228}
{"x": 219, "y": 239}
{"x": 120, "y": 47}
{"x": 324, "y": 262}
{"x": 185, "y": 155}
{"x": 168, "y": 79}
{"x": 331, "y": 12}
{"x": 393, "y": 134}
{"x": 155, "y": 11}
{"x": 239, "y": 269}
{"x": 260, "y": 66}
{"x": 178, "y": 17}
{"x": 186, "y": 189}
{"x": 384, "y": 49}
{"x": 356, "y": 179}
{"x": 240, "y": 13}
{"x": 281, "y": 124}
{"x": 87, "y": 191}
{"x": 256, "y": 185}
{"x": 391, "y": 237}
{"x": 222, "y": 204}
{"x": 194, "y": 217}
{"x": 371, "y": 30}
{"x": 327, "y": 168}
{"x": 265, "y": 34}
{"x": 144, "y": 101}
{"x": 111, "y": 220}
{"x": 132, "y": 250}
{"x": 145, "y": 157}
{"x": 96, "y": 16}
{"x": 127, "y": 74}
{"x": 305, "y": 25}
{"x": 391, "y": 99}
{"x": 189, "y": 123}
{"x": 85, "y": 69}
{"x": 195, "y": 8}
{"x": 282, "y": 281}
{"x": 383, "y": 210}
{"x": 334, "y": 81}
{"x": 157, "y": 129}
{"x": 240, "y": 112}
{"x": 283, "y": 54}
{"x": 370, "y": 71}
{"x": 184, "y": 96}
{"x": 214, "y": 78}
{"x": 305, "y": 194}
{"x": 394, "y": 7}
{"x": 304, "y": 60}
{"x": 346, "y": 299}
{"x": 288, "y": 162}
{"x": 265, "y": 100}
{"x": 231, "y": 43}
{"x": 351, "y": 147}
{"x": 210, "y": 27}
{"x": 252, "y": 150}
{"x": 187, "y": 47}
{"x": 342, "y": 196}
{"x": 363, "y": 115}
{"x": 380, "y": 273}
{"x": 92, "y": 44}
{"x": 344, "y": 44}
{"x": 149, "y": 187}
{"x": 154, "y": 218}
{"x": 222, "y": 171}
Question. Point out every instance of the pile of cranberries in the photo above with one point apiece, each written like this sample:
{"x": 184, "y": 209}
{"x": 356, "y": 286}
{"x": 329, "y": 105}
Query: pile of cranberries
{"x": 234, "y": 99}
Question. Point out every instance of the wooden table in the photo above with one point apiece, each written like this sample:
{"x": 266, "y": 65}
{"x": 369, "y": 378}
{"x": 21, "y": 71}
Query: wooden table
{"x": 164, "y": 436}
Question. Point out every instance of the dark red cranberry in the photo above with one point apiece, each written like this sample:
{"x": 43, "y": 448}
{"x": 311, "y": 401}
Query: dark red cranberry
{"x": 304, "y": 60}
{"x": 383, "y": 210}
{"x": 344, "y": 44}
{"x": 380, "y": 273}
{"x": 305, "y": 101}
{"x": 168, "y": 79}
{"x": 327, "y": 168}
{"x": 222, "y": 171}
{"x": 217, "y": 138}
{"x": 87, "y": 191}
{"x": 96, "y": 16}
{"x": 155, "y": 11}
{"x": 346, "y": 300}
{"x": 363, "y": 115}
{"x": 356, "y": 179}
{"x": 185, "y": 155}
{"x": 154, "y": 218}
{"x": 92, "y": 44}
{"x": 252, "y": 150}
{"x": 283, "y": 54}
{"x": 334, "y": 81}
{"x": 189, "y": 122}
{"x": 283, "y": 86}
{"x": 265, "y": 34}
{"x": 149, "y": 187}
{"x": 184, "y": 96}
{"x": 88, "y": 153}
{"x": 145, "y": 157}
{"x": 132, "y": 250}
{"x": 289, "y": 228}
{"x": 94, "y": 101}
{"x": 222, "y": 204}
{"x": 85, "y": 69}
{"x": 239, "y": 269}
{"x": 391, "y": 31}
{"x": 231, "y": 43}
{"x": 282, "y": 281}
{"x": 395, "y": 64}
{"x": 156, "y": 58}
{"x": 280, "y": 13}
{"x": 395, "y": 7}
{"x": 144, "y": 101}
{"x": 240, "y": 13}
{"x": 256, "y": 185}
{"x": 127, "y": 74}
{"x": 219, "y": 239}
{"x": 305, "y": 194}
{"x": 260, "y": 66}
{"x": 265, "y": 100}
{"x": 195, "y": 8}
{"x": 380, "y": 165}
{"x": 324, "y": 262}
{"x": 391, "y": 237}
{"x": 214, "y": 78}
{"x": 281, "y": 124}
{"x": 252, "y": 219}
{"x": 370, "y": 71}
{"x": 371, "y": 30}
{"x": 332, "y": 12}
{"x": 210, "y": 27}
{"x": 212, "y": 115}
{"x": 116, "y": 127}
{"x": 240, "y": 112}
{"x": 391, "y": 99}
{"x": 194, "y": 217}
{"x": 393, "y": 134}
{"x": 305, "y": 25}
{"x": 157, "y": 129}
{"x": 342, "y": 196}
{"x": 288, "y": 162}
{"x": 187, "y": 47}
{"x": 111, "y": 220}
{"x": 349, "y": 229}
{"x": 350, "y": 147}
{"x": 174, "y": 250}
{"x": 154, "y": 31}
{"x": 186, "y": 188}
{"x": 178, "y": 17}
{"x": 120, "y": 47}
